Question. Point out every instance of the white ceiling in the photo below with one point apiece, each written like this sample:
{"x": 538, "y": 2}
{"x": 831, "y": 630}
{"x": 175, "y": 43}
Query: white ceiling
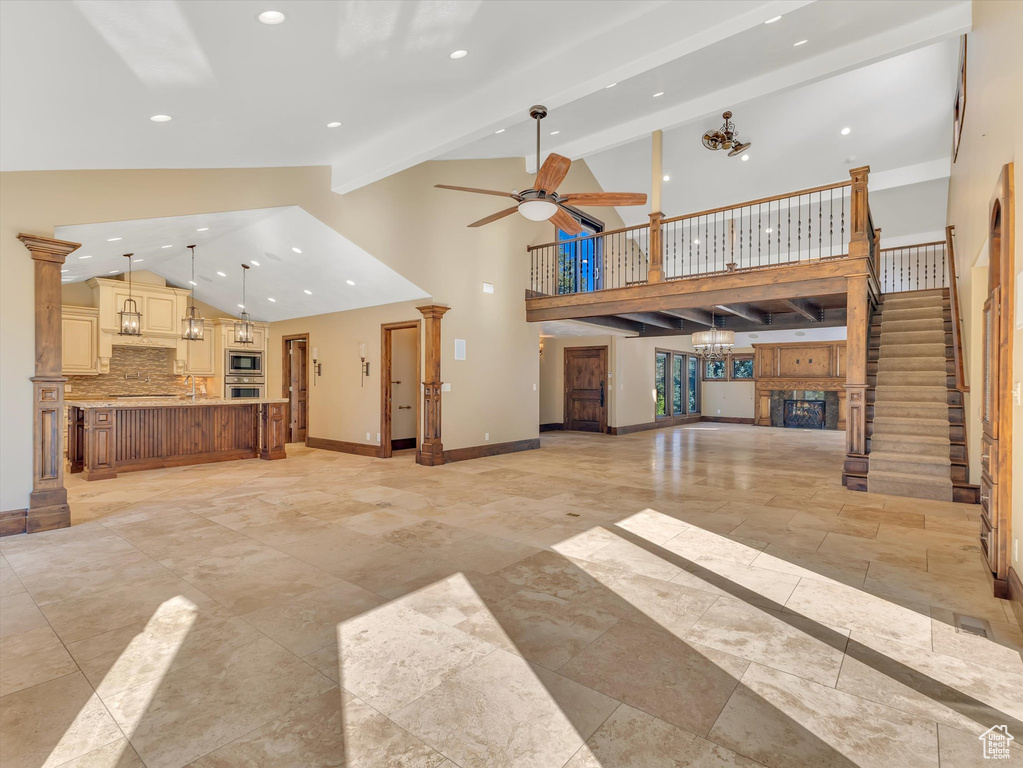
{"x": 267, "y": 236}
{"x": 245, "y": 94}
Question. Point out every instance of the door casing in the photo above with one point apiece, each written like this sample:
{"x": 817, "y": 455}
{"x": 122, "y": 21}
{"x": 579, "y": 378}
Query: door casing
{"x": 600, "y": 354}
{"x": 386, "y": 351}
{"x": 286, "y": 379}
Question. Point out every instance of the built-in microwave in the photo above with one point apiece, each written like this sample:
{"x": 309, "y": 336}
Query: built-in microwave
{"x": 244, "y": 362}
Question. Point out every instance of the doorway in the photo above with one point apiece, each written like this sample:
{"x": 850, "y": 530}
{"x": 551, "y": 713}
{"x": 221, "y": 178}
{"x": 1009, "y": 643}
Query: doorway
{"x": 996, "y": 398}
{"x": 399, "y": 387}
{"x": 295, "y": 386}
{"x": 585, "y": 389}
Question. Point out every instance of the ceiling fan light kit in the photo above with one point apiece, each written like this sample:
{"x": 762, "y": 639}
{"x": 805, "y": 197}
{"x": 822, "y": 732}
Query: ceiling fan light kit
{"x": 726, "y": 137}
{"x": 542, "y": 202}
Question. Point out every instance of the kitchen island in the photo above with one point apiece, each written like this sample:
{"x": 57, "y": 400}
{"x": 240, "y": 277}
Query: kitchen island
{"x": 105, "y": 437}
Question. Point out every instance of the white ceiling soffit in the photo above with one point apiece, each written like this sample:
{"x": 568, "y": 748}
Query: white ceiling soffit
{"x": 900, "y": 125}
{"x": 573, "y": 328}
{"x": 243, "y": 94}
{"x": 265, "y": 237}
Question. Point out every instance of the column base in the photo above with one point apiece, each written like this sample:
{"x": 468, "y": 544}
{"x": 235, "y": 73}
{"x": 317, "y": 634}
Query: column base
{"x": 47, "y": 518}
{"x": 431, "y": 455}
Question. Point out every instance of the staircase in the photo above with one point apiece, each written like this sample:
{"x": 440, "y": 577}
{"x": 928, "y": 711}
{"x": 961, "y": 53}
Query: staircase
{"x": 911, "y": 446}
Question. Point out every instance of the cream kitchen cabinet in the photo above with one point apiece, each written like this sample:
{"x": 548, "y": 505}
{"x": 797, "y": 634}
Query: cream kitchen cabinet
{"x": 259, "y": 334}
{"x": 200, "y": 356}
{"x": 80, "y": 341}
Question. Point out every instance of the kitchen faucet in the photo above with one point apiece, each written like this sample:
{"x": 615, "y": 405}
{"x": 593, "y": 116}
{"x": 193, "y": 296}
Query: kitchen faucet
{"x": 192, "y": 378}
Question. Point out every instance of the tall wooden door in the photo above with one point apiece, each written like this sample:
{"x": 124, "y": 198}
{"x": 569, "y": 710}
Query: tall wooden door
{"x": 586, "y": 389}
{"x": 996, "y": 398}
{"x": 298, "y": 393}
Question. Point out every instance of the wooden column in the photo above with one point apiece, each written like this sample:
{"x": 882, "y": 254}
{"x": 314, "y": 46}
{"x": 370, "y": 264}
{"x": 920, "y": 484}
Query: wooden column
{"x": 273, "y": 431}
{"x": 48, "y": 508}
{"x": 655, "y": 269}
{"x": 431, "y": 453}
{"x": 100, "y": 444}
{"x": 857, "y": 322}
{"x": 860, "y": 231}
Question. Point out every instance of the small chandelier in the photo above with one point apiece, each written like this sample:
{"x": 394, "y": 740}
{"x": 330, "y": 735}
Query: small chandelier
{"x": 243, "y": 330}
{"x": 726, "y": 137}
{"x": 713, "y": 344}
{"x": 193, "y": 324}
{"x": 131, "y": 318}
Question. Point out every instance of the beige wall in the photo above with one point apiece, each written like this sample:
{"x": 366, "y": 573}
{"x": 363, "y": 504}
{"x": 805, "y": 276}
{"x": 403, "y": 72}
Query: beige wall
{"x": 403, "y": 221}
{"x": 992, "y": 136}
{"x": 552, "y": 375}
{"x": 729, "y": 399}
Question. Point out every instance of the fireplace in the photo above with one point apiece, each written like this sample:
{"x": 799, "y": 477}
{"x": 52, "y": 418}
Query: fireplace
{"x": 804, "y": 414}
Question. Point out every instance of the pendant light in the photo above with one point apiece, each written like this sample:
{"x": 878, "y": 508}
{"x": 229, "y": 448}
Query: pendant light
{"x": 715, "y": 343}
{"x": 193, "y": 324}
{"x": 243, "y": 331}
{"x": 131, "y": 318}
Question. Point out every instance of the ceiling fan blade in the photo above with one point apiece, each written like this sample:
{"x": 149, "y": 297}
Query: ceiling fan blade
{"x": 477, "y": 191}
{"x": 552, "y": 173}
{"x": 495, "y": 216}
{"x": 564, "y": 221}
{"x": 605, "y": 198}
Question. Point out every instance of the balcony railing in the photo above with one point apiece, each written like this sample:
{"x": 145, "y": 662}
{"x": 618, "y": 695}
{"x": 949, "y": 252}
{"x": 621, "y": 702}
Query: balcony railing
{"x": 807, "y": 226}
{"x": 913, "y": 268}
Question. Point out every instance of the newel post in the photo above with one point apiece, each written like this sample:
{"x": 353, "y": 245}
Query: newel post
{"x": 48, "y": 507}
{"x": 860, "y": 231}
{"x": 431, "y": 453}
{"x": 655, "y": 267}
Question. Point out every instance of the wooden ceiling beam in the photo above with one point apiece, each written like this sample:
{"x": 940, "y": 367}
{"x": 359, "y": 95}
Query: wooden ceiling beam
{"x": 698, "y": 316}
{"x": 653, "y": 318}
{"x": 806, "y": 308}
{"x": 746, "y": 312}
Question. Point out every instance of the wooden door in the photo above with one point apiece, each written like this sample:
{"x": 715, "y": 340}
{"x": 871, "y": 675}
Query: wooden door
{"x": 298, "y": 393}
{"x": 586, "y": 389}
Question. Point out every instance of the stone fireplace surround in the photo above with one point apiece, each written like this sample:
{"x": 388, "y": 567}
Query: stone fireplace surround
{"x": 779, "y": 396}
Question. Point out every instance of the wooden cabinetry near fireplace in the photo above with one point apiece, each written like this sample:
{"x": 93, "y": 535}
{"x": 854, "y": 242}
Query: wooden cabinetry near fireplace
{"x": 817, "y": 366}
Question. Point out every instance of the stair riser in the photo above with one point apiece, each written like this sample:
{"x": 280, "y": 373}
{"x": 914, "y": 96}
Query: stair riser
{"x": 917, "y": 313}
{"x": 911, "y": 379}
{"x": 904, "y": 444}
{"x": 916, "y": 302}
{"x": 914, "y": 490}
{"x": 892, "y": 394}
{"x": 934, "y": 349}
{"x": 909, "y": 467}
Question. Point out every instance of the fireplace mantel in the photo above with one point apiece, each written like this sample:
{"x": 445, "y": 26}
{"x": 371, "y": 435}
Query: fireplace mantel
{"x": 815, "y": 366}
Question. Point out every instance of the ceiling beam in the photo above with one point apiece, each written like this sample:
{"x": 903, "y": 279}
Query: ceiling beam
{"x": 698, "y": 316}
{"x": 617, "y": 323}
{"x": 746, "y": 312}
{"x": 806, "y": 308}
{"x": 653, "y": 318}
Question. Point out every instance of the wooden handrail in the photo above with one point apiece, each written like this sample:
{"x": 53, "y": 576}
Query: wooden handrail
{"x": 957, "y": 320}
{"x": 760, "y": 201}
{"x": 581, "y": 238}
{"x": 914, "y": 245}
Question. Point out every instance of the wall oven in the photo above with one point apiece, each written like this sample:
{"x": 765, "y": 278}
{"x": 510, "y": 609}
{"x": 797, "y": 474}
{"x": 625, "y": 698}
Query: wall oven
{"x": 244, "y": 362}
{"x": 243, "y": 387}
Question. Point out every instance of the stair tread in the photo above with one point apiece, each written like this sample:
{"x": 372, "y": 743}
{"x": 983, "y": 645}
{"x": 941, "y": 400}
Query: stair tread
{"x": 906, "y": 478}
{"x": 913, "y": 457}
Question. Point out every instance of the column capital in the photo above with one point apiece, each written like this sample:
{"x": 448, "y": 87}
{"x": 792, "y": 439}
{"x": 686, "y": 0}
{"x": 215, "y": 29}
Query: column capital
{"x": 859, "y": 174}
{"x": 433, "y": 311}
{"x": 48, "y": 249}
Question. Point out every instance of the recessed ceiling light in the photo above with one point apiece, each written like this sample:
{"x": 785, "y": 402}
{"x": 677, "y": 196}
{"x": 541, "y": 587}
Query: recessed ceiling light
{"x": 696, "y": 241}
{"x": 271, "y": 299}
{"x": 113, "y": 239}
{"x": 771, "y": 21}
{"x": 271, "y": 17}
{"x": 659, "y": 93}
{"x": 65, "y": 270}
{"x": 112, "y": 272}
{"x": 86, "y": 257}
{"x": 222, "y": 274}
{"x": 458, "y": 54}
{"x": 297, "y": 250}
{"x": 254, "y": 263}
{"x": 137, "y": 260}
{"x": 161, "y": 118}
{"x": 612, "y": 85}
{"x": 745, "y": 158}
{"x": 166, "y": 246}
{"x": 846, "y": 131}
{"x": 499, "y": 131}
{"x": 334, "y": 124}
{"x": 796, "y": 45}
{"x": 192, "y": 282}
{"x": 555, "y": 133}
{"x": 666, "y": 177}
{"x": 66, "y": 279}
{"x": 350, "y": 282}
{"x": 241, "y": 306}
{"x": 769, "y": 230}
{"x": 307, "y": 292}
{"x": 202, "y": 229}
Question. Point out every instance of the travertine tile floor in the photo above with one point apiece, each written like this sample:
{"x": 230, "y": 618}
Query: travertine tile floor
{"x": 702, "y": 596}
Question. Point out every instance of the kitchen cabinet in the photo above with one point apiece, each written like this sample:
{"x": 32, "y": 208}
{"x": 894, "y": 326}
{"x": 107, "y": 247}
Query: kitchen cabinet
{"x": 80, "y": 341}
{"x": 200, "y": 356}
{"x": 259, "y": 335}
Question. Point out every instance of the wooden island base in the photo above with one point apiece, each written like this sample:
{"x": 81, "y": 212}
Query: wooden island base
{"x": 106, "y": 438}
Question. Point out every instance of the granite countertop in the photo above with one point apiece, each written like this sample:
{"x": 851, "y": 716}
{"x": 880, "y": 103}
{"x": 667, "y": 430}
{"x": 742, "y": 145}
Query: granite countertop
{"x": 168, "y": 402}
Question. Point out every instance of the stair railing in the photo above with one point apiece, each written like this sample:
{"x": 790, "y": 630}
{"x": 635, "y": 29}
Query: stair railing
{"x": 917, "y": 267}
{"x": 957, "y": 318}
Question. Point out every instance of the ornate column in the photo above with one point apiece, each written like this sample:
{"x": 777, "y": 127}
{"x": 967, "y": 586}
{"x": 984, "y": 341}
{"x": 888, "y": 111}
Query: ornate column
{"x": 431, "y": 452}
{"x": 273, "y": 431}
{"x": 860, "y": 230}
{"x": 857, "y": 322}
{"x": 48, "y": 508}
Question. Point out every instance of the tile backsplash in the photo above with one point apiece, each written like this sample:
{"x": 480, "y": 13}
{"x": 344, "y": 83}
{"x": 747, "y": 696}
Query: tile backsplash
{"x": 154, "y": 367}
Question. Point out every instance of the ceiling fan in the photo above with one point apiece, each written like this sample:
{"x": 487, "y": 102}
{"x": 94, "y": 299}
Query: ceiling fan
{"x": 542, "y": 202}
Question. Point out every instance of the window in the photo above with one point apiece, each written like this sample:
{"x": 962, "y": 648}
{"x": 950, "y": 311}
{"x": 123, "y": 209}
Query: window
{"x": 579, "y": 261}
{"x": 676, "y": 384}
{"x": 735, "y": 368}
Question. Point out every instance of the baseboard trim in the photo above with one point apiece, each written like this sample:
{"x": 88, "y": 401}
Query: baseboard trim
{"x": 403, "y": 443}
{"x": 674, "y": 421}
{"x": 728, "y": 419}
{"x": 1016, "y": 595}
{"x": 479, "y": 451}
{"x": 343, "y": 446}
{"x": 13, "y": 522}
{"x": 553, "y": 427}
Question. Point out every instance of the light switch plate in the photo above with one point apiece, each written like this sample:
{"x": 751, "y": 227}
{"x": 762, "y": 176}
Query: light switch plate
{"x": 445, "y": 387}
